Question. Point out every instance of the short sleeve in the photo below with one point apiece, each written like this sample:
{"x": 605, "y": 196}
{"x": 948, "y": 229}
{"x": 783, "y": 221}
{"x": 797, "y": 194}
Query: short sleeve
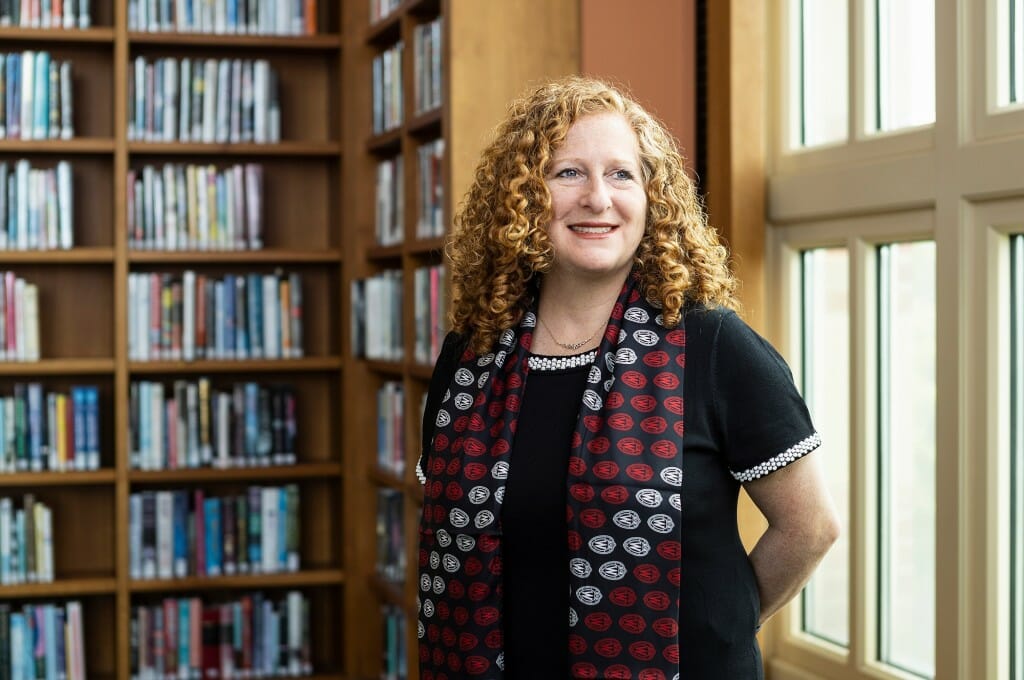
{"x": 762, "y": 419}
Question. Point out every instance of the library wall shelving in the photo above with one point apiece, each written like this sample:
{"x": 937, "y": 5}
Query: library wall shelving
{"x": 84, "y": 322}
{"x": 490, "y": 53}
{"x": 317, "y": 215}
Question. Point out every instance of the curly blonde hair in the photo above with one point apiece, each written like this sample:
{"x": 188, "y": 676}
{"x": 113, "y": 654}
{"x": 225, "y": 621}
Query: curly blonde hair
{"x": 500, "y": 241}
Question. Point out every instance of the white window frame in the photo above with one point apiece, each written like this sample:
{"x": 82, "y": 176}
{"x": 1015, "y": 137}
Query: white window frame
{"x": 959, "y": 181}
{"x": 861, "y": 237}
{"x": 988, "y": 121}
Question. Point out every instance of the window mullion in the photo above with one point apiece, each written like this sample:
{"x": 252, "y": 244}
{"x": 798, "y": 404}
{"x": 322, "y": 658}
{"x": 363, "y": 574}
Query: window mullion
{"x": 863, "y": 461}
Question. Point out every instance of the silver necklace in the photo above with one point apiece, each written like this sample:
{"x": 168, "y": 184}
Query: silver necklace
{"x": 571, "y": 346}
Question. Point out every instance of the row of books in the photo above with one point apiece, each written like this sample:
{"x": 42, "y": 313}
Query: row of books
{"x": 45, "y": 13}
{"x": 55, "y": 431}
{"x": 192, "y": 425}
{"x": 42, "y": 640}
{"x": 387, "y": 89}
{"x": 427, "y": 65}
{"x": 197, "y": 316}
{"x": 391, "y": 560}
{"x": 36, "y": 206}
{"x": 377, "y": 316}
{"x": 176, "y": 534}
{"x": 26, "y": 541}
{"x": 389, "y": 217}
{"x": 430, "y": 189}
{"x": 431, "y": 311}
{"x": 180, "y": 206}
{"x": 251, "y": 17}
{"x": 254, "y": 636}
{"x": 391, "y": 428}
{"x": 379, "y": 9}
{"x": 19, "y": 319}
{"x": 394, "y": 662}
{"x": 35, "y": 96}
{"x": 203, "y": 100}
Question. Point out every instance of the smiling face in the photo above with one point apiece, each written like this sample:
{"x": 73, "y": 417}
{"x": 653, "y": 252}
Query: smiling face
{"x": 598, "y": 201}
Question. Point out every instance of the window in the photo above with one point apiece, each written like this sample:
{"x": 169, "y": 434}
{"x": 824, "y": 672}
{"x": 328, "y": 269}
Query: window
{"x": 825, "y": 373}
{"x": 1010, "y": 52}
{"x": 901, "y": 68}
{"x": 917, "y": 211}
{"x": 818, "y": 72}
{"x": 906, "y": 456}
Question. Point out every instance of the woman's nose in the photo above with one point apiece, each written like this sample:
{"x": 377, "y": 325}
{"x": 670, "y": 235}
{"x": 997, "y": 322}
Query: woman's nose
{"x": 596, "y": 195}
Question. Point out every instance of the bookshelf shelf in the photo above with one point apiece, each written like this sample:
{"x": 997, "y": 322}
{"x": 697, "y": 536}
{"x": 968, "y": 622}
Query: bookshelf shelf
{"x": 330, "y": 256}
{"x": 426, "y": 246}
{"x": 239, "y": 366}
{"x": 72, "y": 36}
{"x": 421, "y": 371}
{"x": 256, "y": 474}
{"x": 388, "y": 368}
{"x": 386, "y": 143}
{"x": 384, "y": 478}
{"x": 71, "y": 478}
{"x": 282, "y": 149}
{"x": 86, "y": 255}
{"x": 423, "y": 7}
{"x": 437, "y": 152}
{"x": 304, "y": 213}
{"x": 385, "y": 31}
{"x": 324, "y": 42}
{"x": 57, "y": 367}
{"x": 78, "y": 145}
{"x": 313, "y": 577}
{"x": 426, "y": 124}
{"x": 389, "y": 592}
{"x": 61, "y": 588}
{"x": 385, "y": 254}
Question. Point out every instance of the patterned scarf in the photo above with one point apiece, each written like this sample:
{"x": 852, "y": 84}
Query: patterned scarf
{"x": 623, "y": 505}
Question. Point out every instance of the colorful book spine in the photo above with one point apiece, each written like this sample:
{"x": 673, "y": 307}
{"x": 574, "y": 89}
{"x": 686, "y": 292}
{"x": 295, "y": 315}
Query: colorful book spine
{"x": 175, "y": 534}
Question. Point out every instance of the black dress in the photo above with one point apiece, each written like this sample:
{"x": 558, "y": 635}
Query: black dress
{"x": 744, "y": 418}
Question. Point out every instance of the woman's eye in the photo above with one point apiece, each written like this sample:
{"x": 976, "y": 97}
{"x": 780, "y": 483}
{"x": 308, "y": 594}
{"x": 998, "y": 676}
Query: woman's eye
{"x": 623, "y": 174}
{"x": 568, "y": 172}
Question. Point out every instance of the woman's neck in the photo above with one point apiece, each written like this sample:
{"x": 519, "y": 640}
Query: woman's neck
{"x": 571, "y": 312}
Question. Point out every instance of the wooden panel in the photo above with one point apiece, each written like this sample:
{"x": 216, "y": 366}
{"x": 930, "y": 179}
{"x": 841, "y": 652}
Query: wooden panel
{"x": 661, "y": 32}
{"x": 98, "y": 622}
{"x": 496, "y": 50}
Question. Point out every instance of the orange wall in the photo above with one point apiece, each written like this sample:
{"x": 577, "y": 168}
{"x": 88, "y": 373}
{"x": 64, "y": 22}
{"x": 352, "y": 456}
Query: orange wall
{"x": 648, "y": 46}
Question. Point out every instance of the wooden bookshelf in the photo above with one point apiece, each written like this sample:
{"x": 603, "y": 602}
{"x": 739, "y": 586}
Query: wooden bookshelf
{"x": 83, "y": 324}
{"x": 491, "y": 53}
{"x": 319, "y": 183}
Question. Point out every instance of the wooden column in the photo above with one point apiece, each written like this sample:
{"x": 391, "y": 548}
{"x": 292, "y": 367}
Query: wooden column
{"x": 736, "y": 53}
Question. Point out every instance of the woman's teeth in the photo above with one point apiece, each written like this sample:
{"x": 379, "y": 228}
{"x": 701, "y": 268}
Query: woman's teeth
{"x": 591, "y": 230}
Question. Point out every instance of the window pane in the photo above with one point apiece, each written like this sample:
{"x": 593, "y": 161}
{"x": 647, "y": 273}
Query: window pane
{"x": 1017, "y": 458}
{"x": 826, "y": 388}
{"x": 906, "y": 374}
{"x": 903, "y": 64}
{"x": 818, "y": 71}
{"x": 1010, "y": 48}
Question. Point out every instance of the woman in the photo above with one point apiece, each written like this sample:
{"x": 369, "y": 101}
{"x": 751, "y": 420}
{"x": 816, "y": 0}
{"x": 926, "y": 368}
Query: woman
{"x": 593, "y": 414}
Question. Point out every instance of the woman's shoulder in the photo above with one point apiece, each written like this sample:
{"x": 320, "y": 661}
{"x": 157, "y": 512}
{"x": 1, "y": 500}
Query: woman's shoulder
{"x": 703, "y": 323}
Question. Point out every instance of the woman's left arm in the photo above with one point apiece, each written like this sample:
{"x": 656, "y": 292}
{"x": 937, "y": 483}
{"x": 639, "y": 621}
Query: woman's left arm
{"x": 802, "y": 526}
